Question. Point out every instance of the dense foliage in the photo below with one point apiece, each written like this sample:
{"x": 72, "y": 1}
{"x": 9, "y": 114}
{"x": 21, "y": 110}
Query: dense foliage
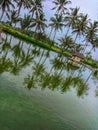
{"x": 80, "y": 32}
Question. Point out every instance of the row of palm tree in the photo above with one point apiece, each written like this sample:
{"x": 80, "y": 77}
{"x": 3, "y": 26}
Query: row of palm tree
{"x": 76, "y": 24}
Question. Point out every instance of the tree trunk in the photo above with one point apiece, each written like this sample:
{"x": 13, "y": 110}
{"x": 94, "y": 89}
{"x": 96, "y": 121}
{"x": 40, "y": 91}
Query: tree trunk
{"x": 50, "y": 32}
{"x": 2, "y": 15}
{"x": 67, "y": 32}
{"x": 88, "y": 78}
{"x": 75, "y": 40}
{"x": 54, "y": 34}
{"x": 86, "y": 43}
{"x": 76, "y": 37}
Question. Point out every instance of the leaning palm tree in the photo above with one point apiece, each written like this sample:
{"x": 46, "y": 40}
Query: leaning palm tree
{"x": 23, "y": 3}
{"x": 91, "y": 33}
{"x": 6, "y": 6}
{"x": 60, "y": 6}
{"x": 13, "y": 17}
{"x": 56, "y": 24}
{"x": 39, "y": 24}
{"x": 71, "y": 18}
{"x": 94, "y": 44}
{"x": 80, "y": 26}
{"x": 36, "y": 8}
{"x": 26, "y": 23}
{"x": 67, "y": 43}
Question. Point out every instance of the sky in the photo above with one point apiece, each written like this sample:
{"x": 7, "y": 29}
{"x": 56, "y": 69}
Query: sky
{"x": 89, "y": 7}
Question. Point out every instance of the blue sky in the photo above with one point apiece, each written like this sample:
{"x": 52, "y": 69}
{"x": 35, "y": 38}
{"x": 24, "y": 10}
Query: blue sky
{"x": 89, "y": 7}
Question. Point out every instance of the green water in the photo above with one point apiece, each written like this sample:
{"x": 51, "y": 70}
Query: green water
{"x": 19, "y": 111}
{"x": 29, "y": 100}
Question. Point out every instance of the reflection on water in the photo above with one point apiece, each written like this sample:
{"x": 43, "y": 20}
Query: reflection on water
{"x": 53, "y": 72}
{"x": 54, "y": 84}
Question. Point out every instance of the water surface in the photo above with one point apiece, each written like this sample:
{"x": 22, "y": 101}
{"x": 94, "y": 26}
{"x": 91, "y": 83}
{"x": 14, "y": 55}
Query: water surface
{"x": 37, "y": 93}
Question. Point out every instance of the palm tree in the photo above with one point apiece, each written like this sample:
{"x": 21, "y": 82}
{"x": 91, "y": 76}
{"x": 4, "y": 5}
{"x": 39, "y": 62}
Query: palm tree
{"x": 94, "y": 45}
{"x": 25, "y": 3}
{"x": 67, "y": 43}
{"x": 6, "y": 5}
{"x": 56, "y": 24}
{"x": 36, "y": 8}
{"x": 91, "y": 33}
{"x": 39, "y": 24}
{"x": 13, "y": 17}
{"x": 60, "y": 6}
{"x": 80, "y": 26}
{"x": 71, "y": 18}
{"x": 26, "y": 23}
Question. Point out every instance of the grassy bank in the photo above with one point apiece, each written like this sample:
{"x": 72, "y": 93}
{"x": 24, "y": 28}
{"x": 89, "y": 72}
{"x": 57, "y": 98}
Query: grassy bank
{"x": 31, "y": 40}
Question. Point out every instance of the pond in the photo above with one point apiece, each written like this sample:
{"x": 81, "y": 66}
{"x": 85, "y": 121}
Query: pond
{"x": 40, "y": 90}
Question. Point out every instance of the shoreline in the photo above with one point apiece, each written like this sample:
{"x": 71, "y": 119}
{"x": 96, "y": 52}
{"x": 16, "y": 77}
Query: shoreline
{"x": 44, "y": 45}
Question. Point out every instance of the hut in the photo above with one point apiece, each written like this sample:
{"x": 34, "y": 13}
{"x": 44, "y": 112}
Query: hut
{"x": 76, "y": 58}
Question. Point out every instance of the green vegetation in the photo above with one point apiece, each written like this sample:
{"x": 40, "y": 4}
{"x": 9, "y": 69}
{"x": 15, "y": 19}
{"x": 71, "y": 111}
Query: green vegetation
{"x": 79, "y": 31}
{"x": 31, "y": 40}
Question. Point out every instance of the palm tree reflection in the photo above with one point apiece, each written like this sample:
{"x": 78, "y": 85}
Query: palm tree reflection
{"x": 29, "y": 81}
{"x": 62, "y": 76}
{"x": 5, "y": 62}
{"x": 55, "y": 81}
